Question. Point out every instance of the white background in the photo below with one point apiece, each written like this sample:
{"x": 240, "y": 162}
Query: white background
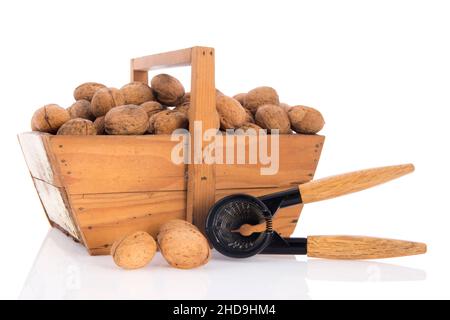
{"x": 379, "y": 71}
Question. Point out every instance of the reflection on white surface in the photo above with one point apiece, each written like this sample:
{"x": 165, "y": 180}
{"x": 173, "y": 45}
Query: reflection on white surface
{"x": 64, "y": 270}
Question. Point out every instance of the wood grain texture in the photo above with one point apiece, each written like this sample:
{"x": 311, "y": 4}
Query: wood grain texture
{"x": 139, "y": 76}
{"x": 103, "y": 218}
{"x": 34, "y": 147}
{"x": 354, "y": 247}
{"x": 177, "y": 58}
{"x": 107, "y": 164}
{"x": 57, "y": 208}
{"x": 298, "y": 159}
{"x": 201, "y": 176}
{"x": 343, "y": 184}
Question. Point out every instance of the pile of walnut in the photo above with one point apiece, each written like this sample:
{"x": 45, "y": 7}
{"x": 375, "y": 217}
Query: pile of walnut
{"x": 138, "y": 109}
{"x": 180, "y": 242}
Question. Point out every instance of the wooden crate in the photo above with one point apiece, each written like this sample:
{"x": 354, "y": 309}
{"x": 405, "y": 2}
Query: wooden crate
{"x": 98, "y": 188}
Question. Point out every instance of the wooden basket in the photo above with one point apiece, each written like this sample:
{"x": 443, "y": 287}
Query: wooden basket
{"x": 98, "y": 188}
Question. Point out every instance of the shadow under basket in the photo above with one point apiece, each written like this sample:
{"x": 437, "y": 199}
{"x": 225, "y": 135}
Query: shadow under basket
{"x": 99, "y": 188}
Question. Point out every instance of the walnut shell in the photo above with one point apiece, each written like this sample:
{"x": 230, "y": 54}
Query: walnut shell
{"x": 306, "y": 120}
{"x": 99, "y": 125}
{"x": 87, "y": 90}
{"x": 183, "y": 108}
{"x": 152, "y": 107}
{"x": 271, "y": 117}
{"x": 49, "y": 118}
{"x": 105, "y": 99}
{"x": 173, "y": 224}
{"x": 81, "y": 109}
{"x": 168, "y": 90}
{"x": 240, "y": 97}
{"x": 78, "y": 127}
{"x": 137, "y": 93}
{"x": 285, "y": 106}
{"x": 165, "y": 122}
{"x": 134, "y": 251}
{"x": 184, "y": 247}
{"x": 232, "y": 114}
{"x": 250, "y": 118}
{"x": 250, "y": 128}
{"x": 186, "y": 99}
{"x": 259, "y": 97}
{"x": 126, "y": 120}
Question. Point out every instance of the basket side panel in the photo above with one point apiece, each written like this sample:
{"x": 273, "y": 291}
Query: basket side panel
{"x": 109, "y": 164}
{"x": 40, "y": 162}
{"x": 34, "y": 148}
{"x": 117, "y": 185}
{"x": 56, "y": 206}
{"x": 298, "y": 159}
{"x": 104, "y": 218}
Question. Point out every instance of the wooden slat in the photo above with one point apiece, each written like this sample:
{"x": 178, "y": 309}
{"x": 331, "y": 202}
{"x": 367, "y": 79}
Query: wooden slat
{"x": 298, "y": 158}
{"x": 107, "y": 164}
{"x": 34, "y": 149}
{"x": 57, "y": 208}
{"x": 138, "y": 75}
{"x": 103, "y": 218}
{"x": 176, "y": 58}
{"x": 201, "y": 176}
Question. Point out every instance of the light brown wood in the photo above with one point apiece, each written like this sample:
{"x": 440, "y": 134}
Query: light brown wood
{"x": 177, "y": 58}
{"x": 201, "y": 176}
{"x": 139, "y": 76}
{"x": 339, "y": 185}
{"x": 107, "y": 164}
{"x": 355, "y": 248}
{"x": 298, "y": 159}
{"x": 141, "y": 66}
{"x": 105, "y": 217}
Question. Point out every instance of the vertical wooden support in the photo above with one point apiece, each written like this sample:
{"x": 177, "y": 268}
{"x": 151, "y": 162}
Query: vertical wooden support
{"x": 138, "y": 75}
{"x": 201, "y": 183}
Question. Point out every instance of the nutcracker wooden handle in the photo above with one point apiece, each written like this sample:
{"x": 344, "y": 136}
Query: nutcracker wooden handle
{"x": 357, "y": 248}
{"x": 346, "y": 183}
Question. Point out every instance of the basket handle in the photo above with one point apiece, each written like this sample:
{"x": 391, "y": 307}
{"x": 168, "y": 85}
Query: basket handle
{"x": 141, "y": 66}
{"x": 201, "y": 186}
